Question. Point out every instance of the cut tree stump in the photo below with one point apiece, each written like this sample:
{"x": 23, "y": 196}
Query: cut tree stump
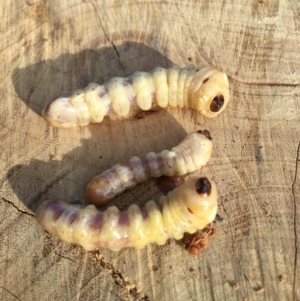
{"x": 51, "y": 47}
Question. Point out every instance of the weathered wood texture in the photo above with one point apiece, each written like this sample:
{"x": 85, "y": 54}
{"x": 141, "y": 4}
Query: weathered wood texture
{"x": 51, "y": 47}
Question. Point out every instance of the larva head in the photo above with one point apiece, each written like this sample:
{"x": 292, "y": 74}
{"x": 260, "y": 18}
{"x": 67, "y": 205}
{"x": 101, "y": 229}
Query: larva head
{"x": 210, "y": 92}
{"x": 60, "y": 113}
{"x": 203, "y": 186}
{"x": 198, "y": 197}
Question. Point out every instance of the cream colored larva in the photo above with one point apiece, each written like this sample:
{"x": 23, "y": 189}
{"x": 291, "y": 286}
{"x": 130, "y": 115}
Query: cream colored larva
{"x": 187, "y": 208}
{"x": 188, "y": 156}
{"x": 203, "y": 89}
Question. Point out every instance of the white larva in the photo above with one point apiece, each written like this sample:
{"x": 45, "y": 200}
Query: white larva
{"x": 187, "y": 157}
{"x": 203, "y": 89}
{"x": 187, "y": 208}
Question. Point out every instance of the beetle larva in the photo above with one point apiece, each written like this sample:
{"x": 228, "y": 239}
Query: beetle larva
{"x": 187, "y": 208}
{"x": 200, "y": 88}
{"x": 188, "y": 156}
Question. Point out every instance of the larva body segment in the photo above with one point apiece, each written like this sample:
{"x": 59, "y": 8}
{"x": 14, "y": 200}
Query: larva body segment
{"x": 188, "y": 156}
{"x": 200, "y": 88}
{"x": 187, "y": 208}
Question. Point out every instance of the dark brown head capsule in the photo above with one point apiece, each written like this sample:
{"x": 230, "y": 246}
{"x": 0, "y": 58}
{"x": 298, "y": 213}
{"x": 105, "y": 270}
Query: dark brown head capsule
{"x": 217, "y": 103}
{"x": 203, "y": 186}
{"x": 205, "y": 133}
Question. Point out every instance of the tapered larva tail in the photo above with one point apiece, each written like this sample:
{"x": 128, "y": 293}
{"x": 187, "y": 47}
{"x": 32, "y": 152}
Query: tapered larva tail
{"x": 188, "y": 156}
{"x": 187, "y": 208}
{"x": 200, "y": 88}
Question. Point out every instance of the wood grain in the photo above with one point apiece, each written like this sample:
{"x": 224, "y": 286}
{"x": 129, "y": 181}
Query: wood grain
{"x": 48, "y": 48}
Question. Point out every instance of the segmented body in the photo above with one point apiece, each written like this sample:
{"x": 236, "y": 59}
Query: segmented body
{"x": 187, "y": 208}
{"x": 188, "y": 156}
{"x": 200, "y": 88}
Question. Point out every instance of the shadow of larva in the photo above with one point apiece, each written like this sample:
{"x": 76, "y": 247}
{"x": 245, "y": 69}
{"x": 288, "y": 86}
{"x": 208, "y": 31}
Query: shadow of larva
{"x": 39, "y": 83}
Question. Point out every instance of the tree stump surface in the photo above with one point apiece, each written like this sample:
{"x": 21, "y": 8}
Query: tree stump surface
{"x": 52, "y": 47}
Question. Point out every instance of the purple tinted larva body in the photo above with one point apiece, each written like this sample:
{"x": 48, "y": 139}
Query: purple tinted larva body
{"x": 203, "y": 89}
{"x": 187, "y": 208}
{"x": 187, "y": 157}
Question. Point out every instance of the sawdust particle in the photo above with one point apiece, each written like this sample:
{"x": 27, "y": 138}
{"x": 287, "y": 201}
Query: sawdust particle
{"x": 281, "y": 279}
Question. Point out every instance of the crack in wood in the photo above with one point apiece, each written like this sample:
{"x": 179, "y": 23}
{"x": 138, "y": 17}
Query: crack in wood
{"x": 133, "y": 292}
{"x": 8, "y": 291}
{"x": 108, "y": 39}
{"x": 51, "y": 185}
{"x": 119, "y": 60}
{"x": 62, "y": 256}
{"x": 16, "y": 207}
{"x": 295, "y": 220}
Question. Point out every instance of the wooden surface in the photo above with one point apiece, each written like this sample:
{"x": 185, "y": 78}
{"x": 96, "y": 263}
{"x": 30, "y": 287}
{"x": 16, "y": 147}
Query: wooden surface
{"x": 51, "y": 47}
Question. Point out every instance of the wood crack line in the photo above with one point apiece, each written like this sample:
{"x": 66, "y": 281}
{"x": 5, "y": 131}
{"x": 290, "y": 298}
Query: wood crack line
{"x": 21, "y": 211}
{"x": 8, "y": 291}
{"x": 132, "y": 290}
{"x": 108, "y": 39}
{"x": 62, "y": 256}
{"x": 295, "y": 219}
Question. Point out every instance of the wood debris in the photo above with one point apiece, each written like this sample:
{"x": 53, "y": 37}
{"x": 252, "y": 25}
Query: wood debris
{"x": 197, "y": 242}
